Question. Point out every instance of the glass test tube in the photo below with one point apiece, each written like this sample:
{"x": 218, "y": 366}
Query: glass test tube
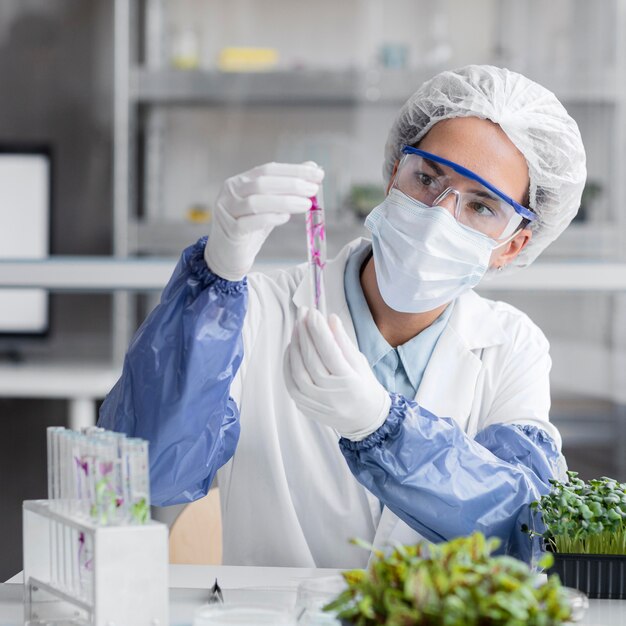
{"x": 55, "y": 465}
{"x": 51, "y": 433}
{"x": 138, "y": 480}
{"x": 126, "y": 486}
{"x": 117, "y": 442}
{"x": 316, "y": 250}
{"x": 84, "y": 553}
{"x": 83, "y": 546}
{"x": 74, "y": 477}
{"x": 119, "y": 480}
{"x": 92, "y": 460}
{"x": 81, "y": 475}
{"x": 52, "y": 441}
{"x": 66, "y": 470}
{"x": 68, "y": 439}
{"x": 59, "y": 478}
{"x": 106, "y": 454}
{"x": 64, "y": 440}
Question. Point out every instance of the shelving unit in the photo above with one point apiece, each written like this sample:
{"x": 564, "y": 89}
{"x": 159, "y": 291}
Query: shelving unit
{"x": 284, "y": 88}
{"x": 321, "y": 87}
{"x": 150, "y": 96}
{"x": 146, "y": 93}
{"x": 579, "y": 52}
{"x": 147, "y": 90}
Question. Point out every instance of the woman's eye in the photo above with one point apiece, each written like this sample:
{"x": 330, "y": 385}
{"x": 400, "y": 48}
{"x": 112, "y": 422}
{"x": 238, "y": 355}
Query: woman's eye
{"x": 424, "y": 179}
{"x": 482, "y": 210}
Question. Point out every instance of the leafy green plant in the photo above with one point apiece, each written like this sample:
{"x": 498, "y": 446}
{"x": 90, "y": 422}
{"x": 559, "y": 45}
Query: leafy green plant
{"x": 584, "y": 517}
{"x": 457, "y": 583}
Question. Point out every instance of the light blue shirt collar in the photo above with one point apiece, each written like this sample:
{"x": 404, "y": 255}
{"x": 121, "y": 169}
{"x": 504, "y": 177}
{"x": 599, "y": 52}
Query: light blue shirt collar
{"x": 413, "y": 355}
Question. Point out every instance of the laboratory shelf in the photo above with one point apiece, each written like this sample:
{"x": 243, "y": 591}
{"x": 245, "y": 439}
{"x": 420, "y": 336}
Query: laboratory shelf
{"x": 602, "y": 87}
{"x": 57, "y": 380}
{"x": 170, "y": 237}
{"x": 105, "y": 274}
{"x": 82, "y": 384}
{"x": 87, "y": 274}
{"x": 163, "y": 237}
{"x": 285, "y": 87}
{"x": 572, "y": 275}
{"x": 585, "y": 240}
{"x": 321, "y": 86}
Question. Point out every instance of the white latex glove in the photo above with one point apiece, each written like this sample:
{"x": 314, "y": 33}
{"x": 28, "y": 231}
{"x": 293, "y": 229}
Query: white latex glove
{"x": 330, "y": 380}
{"x": 249, "y": 206}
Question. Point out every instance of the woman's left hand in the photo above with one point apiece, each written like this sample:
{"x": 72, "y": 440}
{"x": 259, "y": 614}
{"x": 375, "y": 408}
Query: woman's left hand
{"x": 330, "y": 381}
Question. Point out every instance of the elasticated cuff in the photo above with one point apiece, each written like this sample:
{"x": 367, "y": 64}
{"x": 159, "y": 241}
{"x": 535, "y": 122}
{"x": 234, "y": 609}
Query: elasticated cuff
{"x": 537, "y": 435}
{"x": 201, "y": 272}
{"x": 397, "y": 414}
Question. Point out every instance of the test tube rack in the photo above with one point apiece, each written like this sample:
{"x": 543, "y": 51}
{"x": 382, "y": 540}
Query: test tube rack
{"x": 80, "y": 573}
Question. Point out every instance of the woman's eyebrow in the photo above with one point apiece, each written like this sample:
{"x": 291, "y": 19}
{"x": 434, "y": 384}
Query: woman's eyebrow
{"x": 435, "y": 166}
{"x": 483, "y": 193}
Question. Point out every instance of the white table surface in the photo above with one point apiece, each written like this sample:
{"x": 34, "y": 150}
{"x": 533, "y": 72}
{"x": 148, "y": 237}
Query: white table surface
{"x": 189, "y": 586}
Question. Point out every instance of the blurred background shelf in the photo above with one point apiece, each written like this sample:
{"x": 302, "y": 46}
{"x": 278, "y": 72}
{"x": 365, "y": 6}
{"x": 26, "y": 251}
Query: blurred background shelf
{"x": 586, "y": 241}
{"x": 81, "y": 383}
{"x": 284, "y": 88}
{"x": 142, "y": 274}
{"x": 287, "y": 242}
{"x": 324, "y": 87}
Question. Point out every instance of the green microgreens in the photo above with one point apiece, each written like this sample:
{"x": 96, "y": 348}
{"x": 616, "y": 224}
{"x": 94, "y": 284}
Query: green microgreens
{"x": 457, "y": 583}
{"x": 140, "y": 511}
{"x": 584, "y": 517}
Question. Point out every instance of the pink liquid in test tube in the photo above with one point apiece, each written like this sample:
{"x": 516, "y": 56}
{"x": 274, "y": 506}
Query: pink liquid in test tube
{"x": 316, "y": 248}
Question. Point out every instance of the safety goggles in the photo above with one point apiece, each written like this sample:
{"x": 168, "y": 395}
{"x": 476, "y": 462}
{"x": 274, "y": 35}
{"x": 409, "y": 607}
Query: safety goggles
{"x": 478, "y": 205}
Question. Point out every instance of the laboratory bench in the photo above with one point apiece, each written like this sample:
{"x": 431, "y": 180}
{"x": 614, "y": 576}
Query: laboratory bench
{"x": 190, "y": 584}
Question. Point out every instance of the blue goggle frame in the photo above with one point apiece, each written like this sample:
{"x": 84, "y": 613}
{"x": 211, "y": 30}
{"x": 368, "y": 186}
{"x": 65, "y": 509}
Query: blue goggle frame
{"x": 519, "y": 209}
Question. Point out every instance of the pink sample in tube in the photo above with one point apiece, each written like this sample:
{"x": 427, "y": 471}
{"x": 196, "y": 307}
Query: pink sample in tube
{"x": 316, "y": 248}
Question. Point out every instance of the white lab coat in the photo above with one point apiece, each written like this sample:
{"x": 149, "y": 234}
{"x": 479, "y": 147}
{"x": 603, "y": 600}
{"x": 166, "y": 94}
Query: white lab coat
{"x": 287, "y": 495}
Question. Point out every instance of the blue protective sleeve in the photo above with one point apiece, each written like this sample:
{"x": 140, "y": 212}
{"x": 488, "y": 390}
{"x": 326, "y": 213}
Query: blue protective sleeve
{"x": 444, "y": 484}
{"x": 174, "y": 388}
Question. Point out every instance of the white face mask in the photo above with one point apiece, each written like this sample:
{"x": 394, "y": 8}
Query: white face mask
{"x": 423, "y": 257}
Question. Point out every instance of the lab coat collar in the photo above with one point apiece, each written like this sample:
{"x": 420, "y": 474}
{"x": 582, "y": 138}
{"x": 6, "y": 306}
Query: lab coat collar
{"x": 475, "y": 322}
{"x": 472, "y": 319}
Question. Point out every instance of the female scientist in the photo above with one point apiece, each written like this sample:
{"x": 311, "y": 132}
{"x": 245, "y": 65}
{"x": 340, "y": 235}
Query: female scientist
{"x": 418, "y": 408}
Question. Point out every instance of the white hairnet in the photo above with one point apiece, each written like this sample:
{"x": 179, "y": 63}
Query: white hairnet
{"x": 530, "y": 115}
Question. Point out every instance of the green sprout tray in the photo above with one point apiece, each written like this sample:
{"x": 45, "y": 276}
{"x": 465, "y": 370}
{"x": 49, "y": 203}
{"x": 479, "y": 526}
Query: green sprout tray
{"x": 597, "y": 575}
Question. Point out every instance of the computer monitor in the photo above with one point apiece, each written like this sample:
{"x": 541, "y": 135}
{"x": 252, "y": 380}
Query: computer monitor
{"x": 25, "y": 206}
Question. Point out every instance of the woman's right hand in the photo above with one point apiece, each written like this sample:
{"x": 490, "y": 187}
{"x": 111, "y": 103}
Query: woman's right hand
{"x": 249, "y": 206}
